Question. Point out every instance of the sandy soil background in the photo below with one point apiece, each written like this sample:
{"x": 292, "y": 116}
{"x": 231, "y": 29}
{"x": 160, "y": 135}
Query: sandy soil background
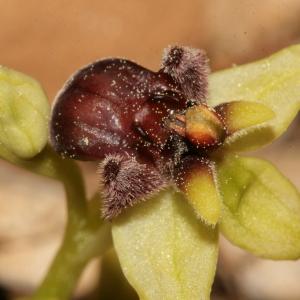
{"x": 51, "y": 39}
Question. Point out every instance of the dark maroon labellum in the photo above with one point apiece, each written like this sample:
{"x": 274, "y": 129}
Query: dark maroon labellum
{"x": 119, "y": 111}
{"x": 113, "y": 106}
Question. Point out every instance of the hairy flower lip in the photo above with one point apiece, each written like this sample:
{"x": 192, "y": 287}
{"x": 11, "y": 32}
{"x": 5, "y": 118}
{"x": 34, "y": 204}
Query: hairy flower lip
{"x": 116, "y": 108}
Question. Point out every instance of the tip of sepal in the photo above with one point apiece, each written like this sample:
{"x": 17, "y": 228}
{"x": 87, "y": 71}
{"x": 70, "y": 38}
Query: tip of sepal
{"x": 196, "y": 178}
{"x": 239, "y": 115}
{"x": 231, "y": 139}
{"x": 209, "y": 223}
{"x": 125, "y": 182}
{"x": 246, "y": 123}
{"x": 189, "y": 67}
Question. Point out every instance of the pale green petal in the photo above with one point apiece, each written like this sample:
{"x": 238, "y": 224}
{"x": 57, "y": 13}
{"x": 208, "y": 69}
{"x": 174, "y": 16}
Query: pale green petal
{"x": 24, "y": 113}
{"x": 274, "y": 81}
{"x": 261, "y": 208}
{"x": 164, "y": 251}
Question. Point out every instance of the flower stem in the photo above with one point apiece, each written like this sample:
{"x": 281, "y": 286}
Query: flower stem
{"x": 86, "y": 235}
{"x": 78, "y": 247}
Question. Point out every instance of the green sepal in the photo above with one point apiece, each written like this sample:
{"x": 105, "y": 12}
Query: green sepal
{"x": 197, "y": 180}
{"x": 273, "y": 81}
{"x": 241, "y": 119}
{"x": 164, "y": 251}
{"x": 261, "y": 210}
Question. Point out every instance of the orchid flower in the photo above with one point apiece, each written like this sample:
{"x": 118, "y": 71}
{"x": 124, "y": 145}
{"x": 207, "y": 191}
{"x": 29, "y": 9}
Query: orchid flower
{"x": 170, "y": 176}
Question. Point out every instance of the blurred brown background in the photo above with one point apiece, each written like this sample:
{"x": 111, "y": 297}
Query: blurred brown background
{"x": 51, "y": 39}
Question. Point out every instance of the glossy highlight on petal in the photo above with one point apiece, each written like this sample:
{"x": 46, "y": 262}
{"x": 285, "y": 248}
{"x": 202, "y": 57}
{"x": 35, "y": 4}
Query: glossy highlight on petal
{"x": 95, "y": 113}
{"x": 153, "y": 116}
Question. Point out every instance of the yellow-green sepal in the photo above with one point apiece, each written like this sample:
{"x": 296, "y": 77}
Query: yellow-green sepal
{"x": 164, "y": 251}
{"x": 241, "y": 119}
{"x": 273, "y": 81}
{"x": 196, "y": 178}
{"x": 261, "y": 208}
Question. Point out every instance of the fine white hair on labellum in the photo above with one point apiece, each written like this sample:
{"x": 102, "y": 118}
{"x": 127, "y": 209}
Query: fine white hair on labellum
{"x": 189, "y": 67}
{"x": 124, "y": 182}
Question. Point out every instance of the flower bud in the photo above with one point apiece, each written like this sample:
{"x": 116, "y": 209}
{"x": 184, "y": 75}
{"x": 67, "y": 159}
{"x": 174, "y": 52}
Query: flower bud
{"x": 24, "y": 112}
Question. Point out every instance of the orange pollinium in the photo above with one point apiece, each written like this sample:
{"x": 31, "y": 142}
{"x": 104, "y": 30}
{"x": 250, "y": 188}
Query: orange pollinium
{"x": 201, "y": 125}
